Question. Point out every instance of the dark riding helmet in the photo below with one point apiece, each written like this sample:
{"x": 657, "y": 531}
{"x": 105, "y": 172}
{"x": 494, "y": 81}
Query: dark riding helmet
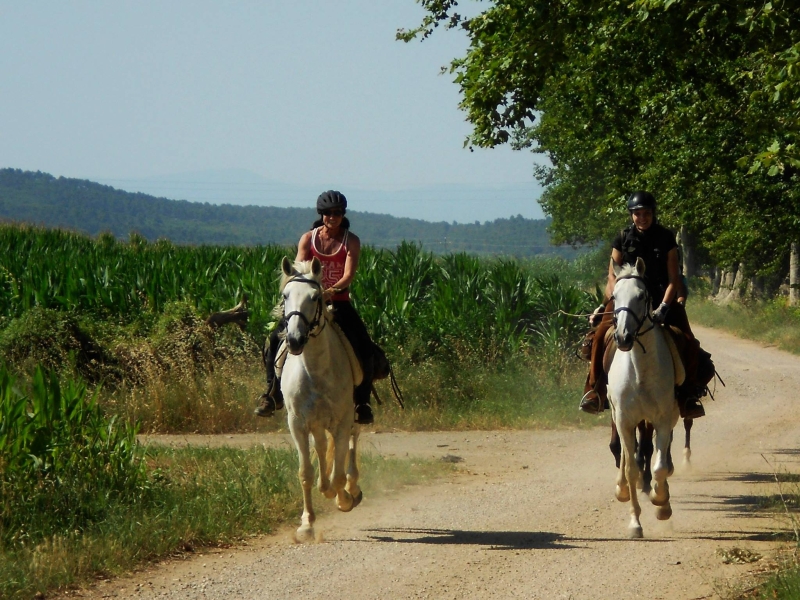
{"x": 331, "y": 199}
{"x": 641, "y": 199}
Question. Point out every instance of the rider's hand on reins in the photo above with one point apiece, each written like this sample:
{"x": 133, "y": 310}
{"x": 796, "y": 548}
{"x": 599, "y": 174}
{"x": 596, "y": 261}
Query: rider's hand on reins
{"x": 597, "y": 316}
{"x": 660, "y": 314}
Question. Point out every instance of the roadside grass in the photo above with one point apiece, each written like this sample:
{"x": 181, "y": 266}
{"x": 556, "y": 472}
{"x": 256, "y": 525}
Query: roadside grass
{"x": 782, "y": 579}
{"x": 221, "y": 401}
{"x": 769, "y": 321}
{"x": 523, "y": 394}
{"x": 196, "y": 497}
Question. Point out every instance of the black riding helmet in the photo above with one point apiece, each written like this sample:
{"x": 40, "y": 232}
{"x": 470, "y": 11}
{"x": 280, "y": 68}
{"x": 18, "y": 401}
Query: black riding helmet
{"x": 331, "y": 199}
{"x": 641, "y": 199}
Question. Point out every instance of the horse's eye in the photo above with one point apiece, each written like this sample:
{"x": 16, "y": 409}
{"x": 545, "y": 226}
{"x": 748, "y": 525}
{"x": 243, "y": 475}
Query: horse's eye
{"x": 314, "y": 297}
{"x": 285, "y": 295}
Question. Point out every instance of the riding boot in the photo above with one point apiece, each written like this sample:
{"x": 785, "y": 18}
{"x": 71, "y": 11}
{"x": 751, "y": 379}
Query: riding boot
{"x": 272, "y": 399}
{"x": 361, "y": 395}
{"x": 688, "y": 397}
{"x": 594, "y": 400}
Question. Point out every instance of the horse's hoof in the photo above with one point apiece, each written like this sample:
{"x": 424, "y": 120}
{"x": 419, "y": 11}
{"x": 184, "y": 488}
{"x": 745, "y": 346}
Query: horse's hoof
{"x": 663, "y": 513}
{"x": 656, "y": 501}
{"x": 348, "y": 505}
{"x": 623, "y": 494}
{"x": 635, "y": 533}
{"x": 646, "y": 489}
{"x": 357, "y": 499}
{"x": 303, "y": 535}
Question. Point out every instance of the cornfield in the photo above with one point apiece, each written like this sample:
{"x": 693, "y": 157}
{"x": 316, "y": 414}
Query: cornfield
{"x": 457, "y": 305}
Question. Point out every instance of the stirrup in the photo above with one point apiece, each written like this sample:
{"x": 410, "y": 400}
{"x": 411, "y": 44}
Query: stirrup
{"x": 591, "y": 406}
{"x": 269, "y": 401}
{"x": 694, "y": 412}
{"x": 266, "y": 406}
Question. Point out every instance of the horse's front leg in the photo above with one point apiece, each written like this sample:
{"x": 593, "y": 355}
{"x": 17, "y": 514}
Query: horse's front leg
{"x": 321, "y": 446}
{"x": 626, "y": 480}
{"x": 344, "y": 501}
{"x": 659, "y": 496}
{"x": 305, "y": 532}
{"x": 352, "y": 468}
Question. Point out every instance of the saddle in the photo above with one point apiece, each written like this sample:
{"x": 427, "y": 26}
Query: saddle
{"x": 676, "y": 342}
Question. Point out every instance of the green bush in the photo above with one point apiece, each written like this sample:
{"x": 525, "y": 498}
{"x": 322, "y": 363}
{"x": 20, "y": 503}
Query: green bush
{"x": 61, "y": 459}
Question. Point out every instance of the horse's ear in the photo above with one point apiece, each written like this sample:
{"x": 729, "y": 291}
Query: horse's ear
{"x": 640, "y": 266}
{"x": 617, "y": 268}
{"x": 286, "y": 267}
{"x": 316, "y": 267}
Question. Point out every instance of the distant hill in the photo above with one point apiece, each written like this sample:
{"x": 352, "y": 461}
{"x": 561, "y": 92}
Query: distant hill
{"x": 92, "y": 208}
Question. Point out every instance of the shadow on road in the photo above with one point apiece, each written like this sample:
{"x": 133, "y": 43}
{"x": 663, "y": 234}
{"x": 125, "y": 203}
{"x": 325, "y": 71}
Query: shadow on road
{"x": 538, "y": 540}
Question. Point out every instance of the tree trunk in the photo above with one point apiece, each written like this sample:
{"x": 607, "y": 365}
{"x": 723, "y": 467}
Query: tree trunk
{"x": 794, "y": 275}
{"x": 686, "y": 240}
{"x": 715, "y": 283}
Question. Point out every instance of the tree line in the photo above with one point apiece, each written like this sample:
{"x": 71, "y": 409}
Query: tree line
{"x": 697, "y": 102}
{"x": 88, "y": 207}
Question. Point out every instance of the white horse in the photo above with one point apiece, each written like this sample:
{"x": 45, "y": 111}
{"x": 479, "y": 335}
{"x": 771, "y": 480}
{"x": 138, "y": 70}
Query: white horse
{"x": 641, "y": 387}
{"x": 317, "y": 384}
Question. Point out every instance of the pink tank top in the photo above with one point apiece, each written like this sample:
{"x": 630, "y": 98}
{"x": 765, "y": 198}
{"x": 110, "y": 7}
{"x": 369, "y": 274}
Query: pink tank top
{"x": 332, "y": 265}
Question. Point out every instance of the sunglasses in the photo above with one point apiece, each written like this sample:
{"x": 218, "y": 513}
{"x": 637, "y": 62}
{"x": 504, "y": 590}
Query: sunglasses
{"x": 333, "y": 213}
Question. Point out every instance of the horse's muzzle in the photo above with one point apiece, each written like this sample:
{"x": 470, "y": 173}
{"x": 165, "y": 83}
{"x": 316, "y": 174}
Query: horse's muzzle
{"x": 296, "y": 344}
{"x": 624, "y": 342}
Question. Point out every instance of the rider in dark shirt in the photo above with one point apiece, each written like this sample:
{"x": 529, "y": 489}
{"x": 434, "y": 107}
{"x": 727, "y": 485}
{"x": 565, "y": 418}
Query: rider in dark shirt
{"x": 646, "y": 239}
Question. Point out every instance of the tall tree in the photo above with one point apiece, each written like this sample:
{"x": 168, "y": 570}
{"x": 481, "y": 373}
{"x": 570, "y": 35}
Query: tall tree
{"x": 695, "y": 101}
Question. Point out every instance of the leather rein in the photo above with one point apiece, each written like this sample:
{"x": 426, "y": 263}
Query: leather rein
{"x": 639, "y": 320}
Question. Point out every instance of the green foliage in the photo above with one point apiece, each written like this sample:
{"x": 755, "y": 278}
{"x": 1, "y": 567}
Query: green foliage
{"x": 61, "y": 459}
{"x": 770, "y": 321}
{"x": 461, "y": 308}
{"x": 699, "y": 103}
{"x": 113, "y": 214}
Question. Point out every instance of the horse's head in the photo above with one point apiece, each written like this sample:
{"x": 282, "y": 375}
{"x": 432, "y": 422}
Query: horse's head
{"x": 631, "y": 303}
{"x": 302, "y": 298}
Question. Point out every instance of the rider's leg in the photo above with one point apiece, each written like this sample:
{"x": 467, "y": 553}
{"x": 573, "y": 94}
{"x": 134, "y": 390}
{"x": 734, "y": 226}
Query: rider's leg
{"x": 594, "y": 399}
{"x": 688, "y": 394}
{"x": 356, "y": 332}
{"x": 272, "y": 399}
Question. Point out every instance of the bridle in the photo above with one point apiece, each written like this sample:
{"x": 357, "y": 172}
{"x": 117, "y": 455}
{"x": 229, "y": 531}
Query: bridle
{"x": 639, "y": 320}
{"x": 315, "y": 323}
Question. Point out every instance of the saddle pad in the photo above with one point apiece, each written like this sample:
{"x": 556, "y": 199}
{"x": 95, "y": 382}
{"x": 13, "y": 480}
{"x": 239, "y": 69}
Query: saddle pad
{"x": 677, "y": 362}
{"x": 355, "y": 366}
{"x": 610, "y": 348}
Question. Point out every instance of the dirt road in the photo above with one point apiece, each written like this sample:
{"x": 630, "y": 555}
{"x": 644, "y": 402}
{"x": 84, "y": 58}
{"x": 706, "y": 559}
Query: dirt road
{"x": 532, "y": 514}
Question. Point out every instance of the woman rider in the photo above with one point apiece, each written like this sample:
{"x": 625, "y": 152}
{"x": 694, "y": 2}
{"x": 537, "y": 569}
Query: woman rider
{"x": 656, "y": 245}
{"x": 331, "y": 241}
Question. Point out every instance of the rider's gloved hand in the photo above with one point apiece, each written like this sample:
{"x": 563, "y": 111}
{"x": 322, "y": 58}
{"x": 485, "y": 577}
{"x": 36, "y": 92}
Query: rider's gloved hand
{"x": 660, "y": 314}
{"x": 597, "y": 316}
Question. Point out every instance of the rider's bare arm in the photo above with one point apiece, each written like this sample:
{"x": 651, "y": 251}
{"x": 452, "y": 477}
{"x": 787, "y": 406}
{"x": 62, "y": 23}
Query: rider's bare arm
{"x": 304, "y": 248}
{"x": 616, "y": 259}
{"x": 673, "y": 270}
{"x": 351, "y": 263}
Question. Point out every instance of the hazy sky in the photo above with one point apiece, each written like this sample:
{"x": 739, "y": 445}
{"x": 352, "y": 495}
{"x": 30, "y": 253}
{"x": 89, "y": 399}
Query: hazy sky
{"x": 311, "y": 94}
